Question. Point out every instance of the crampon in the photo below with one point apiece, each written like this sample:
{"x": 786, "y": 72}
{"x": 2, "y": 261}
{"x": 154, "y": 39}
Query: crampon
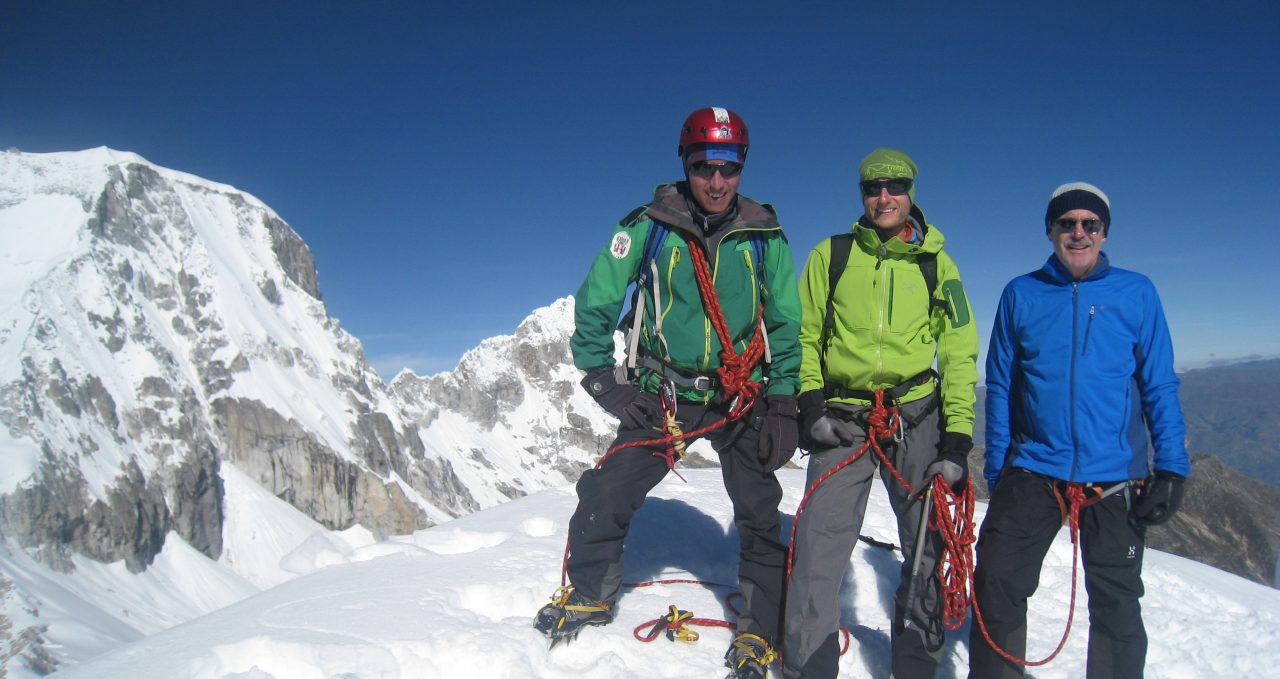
{"x": 749, "y": 657}
{"x": 568, "y": 613}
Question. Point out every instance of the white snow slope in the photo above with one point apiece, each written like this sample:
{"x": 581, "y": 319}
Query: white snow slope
{"x": 457, "y": 600}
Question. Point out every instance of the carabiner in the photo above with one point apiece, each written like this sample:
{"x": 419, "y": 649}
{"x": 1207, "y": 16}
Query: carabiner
{"x": 667, "y": 395}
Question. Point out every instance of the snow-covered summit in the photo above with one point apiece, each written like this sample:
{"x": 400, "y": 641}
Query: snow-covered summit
{"x": 458, "y": 600}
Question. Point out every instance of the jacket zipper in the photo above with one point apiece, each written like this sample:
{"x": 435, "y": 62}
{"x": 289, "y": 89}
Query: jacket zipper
{"x": 1075, "y": 319}
{"x": 884, "y": 278}
{"x": 1088, "y": 326}
{"x": 755, "y": 288}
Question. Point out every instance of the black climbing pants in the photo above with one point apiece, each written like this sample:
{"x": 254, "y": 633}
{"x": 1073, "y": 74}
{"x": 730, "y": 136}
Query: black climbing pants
{"x": 609, "y": 497}
{"x": 1022, "y": 520}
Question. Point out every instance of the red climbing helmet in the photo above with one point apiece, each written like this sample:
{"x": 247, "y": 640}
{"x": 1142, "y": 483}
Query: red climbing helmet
{"x": 713, "y": 125}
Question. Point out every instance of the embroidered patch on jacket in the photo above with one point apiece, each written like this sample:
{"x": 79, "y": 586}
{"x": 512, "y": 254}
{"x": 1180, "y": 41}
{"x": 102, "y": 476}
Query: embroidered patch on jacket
{"x": 621, "y": 244}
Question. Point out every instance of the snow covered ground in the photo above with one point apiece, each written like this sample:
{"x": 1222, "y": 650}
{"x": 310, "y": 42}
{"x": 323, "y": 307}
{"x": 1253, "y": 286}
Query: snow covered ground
{"x": 457, "y": 600}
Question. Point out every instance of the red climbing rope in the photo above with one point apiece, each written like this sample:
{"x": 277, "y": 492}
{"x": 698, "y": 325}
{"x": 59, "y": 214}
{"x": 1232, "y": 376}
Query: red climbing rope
{"x": 676, "y": 622}
{"x": 882, "y": 422}
{"x": 1076, "y": 501}
{"x": 952, "y": 518}
{"x": 735, "y": 369}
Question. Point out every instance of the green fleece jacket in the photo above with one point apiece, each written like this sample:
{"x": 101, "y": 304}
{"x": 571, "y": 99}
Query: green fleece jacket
{"x": 691, "y": 343}
{"x": 884, "y": 331}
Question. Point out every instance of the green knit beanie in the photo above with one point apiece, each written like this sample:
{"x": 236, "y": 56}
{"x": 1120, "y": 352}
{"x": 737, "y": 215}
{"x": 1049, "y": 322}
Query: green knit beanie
{"x": 887, "y": 163}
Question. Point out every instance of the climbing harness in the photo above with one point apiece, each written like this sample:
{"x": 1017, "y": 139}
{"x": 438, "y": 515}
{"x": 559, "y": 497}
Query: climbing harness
{"x": 883, "y": 424}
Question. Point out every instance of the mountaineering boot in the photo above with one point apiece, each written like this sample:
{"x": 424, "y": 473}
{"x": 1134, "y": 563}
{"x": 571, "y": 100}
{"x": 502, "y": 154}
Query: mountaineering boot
{"x": 568, "y": 613}
{"x": 749, "y": 657}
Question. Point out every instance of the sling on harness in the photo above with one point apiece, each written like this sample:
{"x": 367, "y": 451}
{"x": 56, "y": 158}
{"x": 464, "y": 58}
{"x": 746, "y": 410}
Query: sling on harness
{"x": 647, "y": 275}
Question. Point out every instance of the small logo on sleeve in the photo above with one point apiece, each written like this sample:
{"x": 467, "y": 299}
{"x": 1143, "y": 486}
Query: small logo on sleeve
{"x": 621, "y": 244}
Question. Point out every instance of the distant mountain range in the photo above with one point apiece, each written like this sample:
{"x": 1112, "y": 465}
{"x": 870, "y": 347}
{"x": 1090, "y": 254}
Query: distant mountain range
{"x": 1233, "y": 412}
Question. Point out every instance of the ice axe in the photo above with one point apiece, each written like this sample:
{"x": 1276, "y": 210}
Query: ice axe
{"x": 901, "y": 623}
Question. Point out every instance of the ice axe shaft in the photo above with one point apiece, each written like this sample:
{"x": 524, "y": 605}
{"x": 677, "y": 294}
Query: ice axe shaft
{"x": 921, "y": 531}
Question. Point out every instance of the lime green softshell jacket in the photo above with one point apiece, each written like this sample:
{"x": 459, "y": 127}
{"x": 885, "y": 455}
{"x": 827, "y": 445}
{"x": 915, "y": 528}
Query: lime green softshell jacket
{"x": 884, "y": 332}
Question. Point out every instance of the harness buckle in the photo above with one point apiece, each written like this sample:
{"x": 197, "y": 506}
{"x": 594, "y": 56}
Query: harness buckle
{"x": 702, "y": 383}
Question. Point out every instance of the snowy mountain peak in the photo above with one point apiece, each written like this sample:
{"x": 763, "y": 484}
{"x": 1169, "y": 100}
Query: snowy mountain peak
{"x": 155, "y": 326}
{"x": 163, "y": 343}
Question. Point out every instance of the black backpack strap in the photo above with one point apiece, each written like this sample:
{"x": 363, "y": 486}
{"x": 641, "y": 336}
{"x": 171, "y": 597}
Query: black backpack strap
{"x": 928, "y": 263}
{"x": 841, "y": 246}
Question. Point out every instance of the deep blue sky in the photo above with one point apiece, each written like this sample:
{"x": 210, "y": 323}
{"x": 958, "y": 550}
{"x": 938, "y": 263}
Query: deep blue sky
{"x": 454, "y": 165}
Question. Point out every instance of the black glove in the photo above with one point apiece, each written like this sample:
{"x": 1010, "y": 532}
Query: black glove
{"x": 1161, "y": 497}
{"x": 635, "y": 409}
{"x": 780, "y": 433}
{"x": 952, "y": 463}
{"x": 817, "y": 428}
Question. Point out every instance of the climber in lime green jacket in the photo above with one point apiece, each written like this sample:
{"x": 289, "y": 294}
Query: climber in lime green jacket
{"x": 886, "y": 330}
{"x": 898, "y": 307}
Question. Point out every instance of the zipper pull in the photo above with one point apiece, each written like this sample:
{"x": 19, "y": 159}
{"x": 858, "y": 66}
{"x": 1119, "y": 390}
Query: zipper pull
{"x": 1087, "y": 327}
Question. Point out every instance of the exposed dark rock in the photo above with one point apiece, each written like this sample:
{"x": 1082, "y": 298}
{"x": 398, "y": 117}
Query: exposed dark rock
{"x": 292, "y": 464}
{"x": 1227, "y": 520}
{"x": 294, "y": 256}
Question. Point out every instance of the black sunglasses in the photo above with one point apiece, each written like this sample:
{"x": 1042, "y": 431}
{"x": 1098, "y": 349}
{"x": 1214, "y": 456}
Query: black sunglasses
{"x": 897, "y": 187}
{"x": 1093, "y": 226}
{"x": 704, "y": 170}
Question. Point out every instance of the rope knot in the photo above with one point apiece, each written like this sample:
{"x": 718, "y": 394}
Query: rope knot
{"x": 883, "y": 422}
{"x": 735, "y": 369}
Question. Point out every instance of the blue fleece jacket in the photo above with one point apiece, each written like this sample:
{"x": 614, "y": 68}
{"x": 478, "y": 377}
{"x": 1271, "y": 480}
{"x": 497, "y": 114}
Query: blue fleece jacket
{"x": 1074, "y": 371}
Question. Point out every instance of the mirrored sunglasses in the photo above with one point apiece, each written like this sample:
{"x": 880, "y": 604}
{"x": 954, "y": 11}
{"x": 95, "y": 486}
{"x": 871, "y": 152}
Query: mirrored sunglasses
{"x": 1093, "y": 226}
{"x": 898, "y": 186}
{"x": 703, "y": 170}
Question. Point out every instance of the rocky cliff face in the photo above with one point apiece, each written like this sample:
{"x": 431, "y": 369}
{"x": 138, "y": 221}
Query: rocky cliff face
{"x": 513, "y": 406}
{"x": 1227, "y": 520}
{"x": 159, "y": 326}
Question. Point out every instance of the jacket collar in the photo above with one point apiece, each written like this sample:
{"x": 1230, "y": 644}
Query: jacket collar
{"x": 1055, "y": 272}
{"x": 869, "y": 239}
{"x": 670, "y": 206}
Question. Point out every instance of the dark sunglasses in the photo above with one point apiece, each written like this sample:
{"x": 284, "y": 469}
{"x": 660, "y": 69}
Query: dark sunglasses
{"x": 1093, "y": 226}
{"x": 704, "y": 170}
{"x": 897, "y": 187}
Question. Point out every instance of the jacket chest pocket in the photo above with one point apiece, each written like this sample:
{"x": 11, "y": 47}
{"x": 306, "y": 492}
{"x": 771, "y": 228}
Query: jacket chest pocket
{"x": 857, "y": 298}
{"x": 907, "y": 303}
{"x": 1107, "y": 338}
